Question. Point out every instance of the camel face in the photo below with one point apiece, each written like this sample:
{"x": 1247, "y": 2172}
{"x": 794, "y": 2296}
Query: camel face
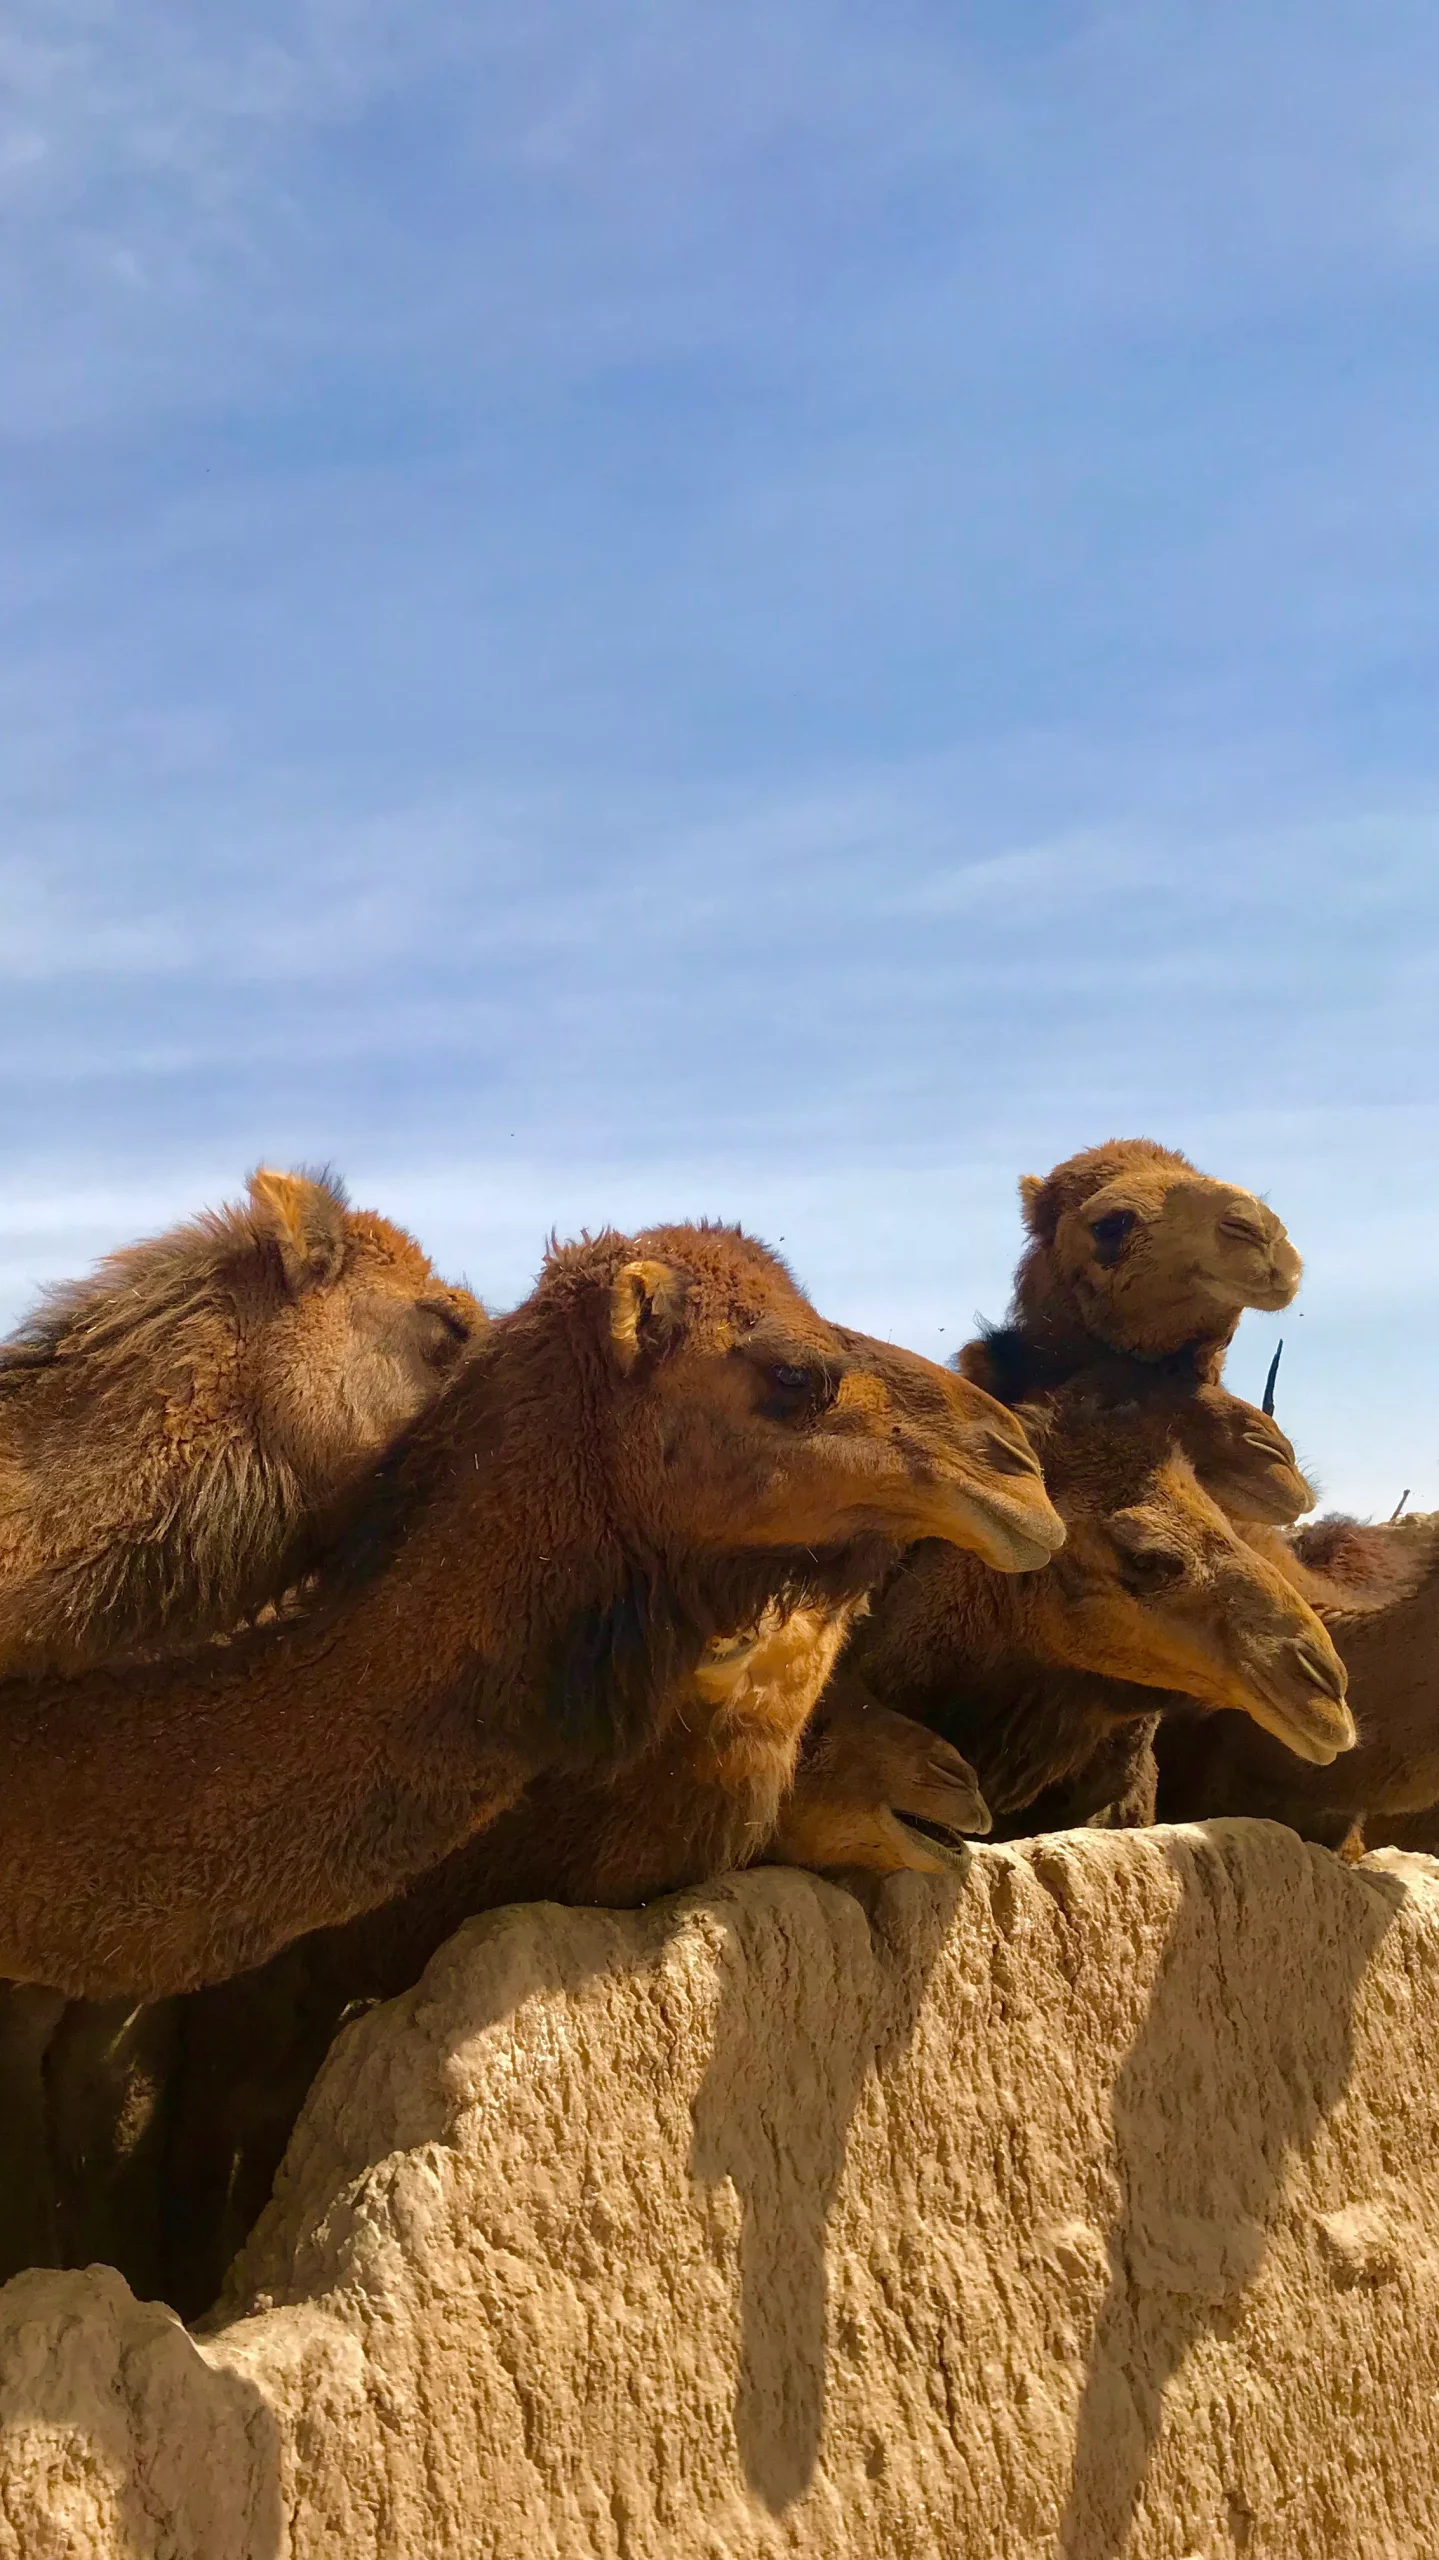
{"x": 1243, "y": 1459}
{"x": 1156, "y": 1587}
{"x": 342, "y": 1366}
{"x": 1152, "y": 1261}
{"x": 1139, "y": 1251}
{"x": 171, "y": 1426}
{"x": 759, "y": 1425}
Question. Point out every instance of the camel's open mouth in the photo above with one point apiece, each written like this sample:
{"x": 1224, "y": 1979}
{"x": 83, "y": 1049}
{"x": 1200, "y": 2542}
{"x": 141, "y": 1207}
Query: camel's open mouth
{"x": 1302, "y": 1703}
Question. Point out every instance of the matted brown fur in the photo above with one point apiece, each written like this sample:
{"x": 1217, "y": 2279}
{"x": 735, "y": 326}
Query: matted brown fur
{"x": 1390, "y": 1645}
{"x": 662, "y": 1444}
{"x": 1133, "y": 1250}
{"x": 174, "y": 1428}
{"x": 1154, "y": 1591}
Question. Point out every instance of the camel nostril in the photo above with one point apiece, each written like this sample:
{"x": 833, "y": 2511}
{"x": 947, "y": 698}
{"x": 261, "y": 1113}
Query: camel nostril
{"x": 1008, "y": 1457}
{"x": 1325, "y": 1670}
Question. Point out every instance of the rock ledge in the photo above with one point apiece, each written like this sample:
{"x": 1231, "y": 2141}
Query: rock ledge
{"x": 1083, "y": 2205}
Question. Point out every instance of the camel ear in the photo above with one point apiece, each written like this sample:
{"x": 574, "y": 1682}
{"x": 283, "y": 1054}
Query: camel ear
{"x": 306, "y": 1220}
{"x": 647, "y": 1308}
{"x": 975, "y": 1361}
{"x": 1032, "y": 1187}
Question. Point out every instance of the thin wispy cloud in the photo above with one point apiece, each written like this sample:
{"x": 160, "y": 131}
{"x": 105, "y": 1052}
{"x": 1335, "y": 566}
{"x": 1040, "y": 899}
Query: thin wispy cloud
{"x": 615, "y": 612}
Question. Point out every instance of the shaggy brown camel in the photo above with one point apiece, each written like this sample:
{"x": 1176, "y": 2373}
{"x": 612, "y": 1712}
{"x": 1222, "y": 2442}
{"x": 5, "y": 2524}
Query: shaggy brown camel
{"x": 167, "y": 2122}
{"x": 1380, "y": 1598}
{"x": 1132, "y": 1250}
{"x": 664, "y": 1443}
{"x": 173, "y": 1427}
{"x": 1154, "y": 1592}
{"x": 186, "y": 2109}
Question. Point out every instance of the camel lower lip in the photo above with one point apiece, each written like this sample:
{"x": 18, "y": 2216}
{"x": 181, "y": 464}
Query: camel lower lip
{"x": 1301, "y": 1730}
{"x": 1010, "y": 1544}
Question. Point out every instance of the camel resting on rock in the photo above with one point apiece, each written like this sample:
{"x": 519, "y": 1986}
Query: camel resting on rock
{"x": 180, "y": 2113}
{"x": 1378, "y": 1590}
{"x": 661, "y": 1446}
{"x": 1154, "y": 1592}
{"x": 174, "y": 1427}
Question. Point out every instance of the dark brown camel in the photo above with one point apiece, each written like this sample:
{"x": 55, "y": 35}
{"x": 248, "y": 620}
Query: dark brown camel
{"x": 163, "y": 2125}
{"x": 1154, "y": 1592}
{"x": 188, "y": 2107}
{"x": 1380, "y": 1601}
{"x": 173, "y": 1428}
{"x": 663, "y": 1445}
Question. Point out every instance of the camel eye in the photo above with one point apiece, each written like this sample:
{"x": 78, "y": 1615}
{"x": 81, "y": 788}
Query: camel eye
{"x": 797, "y": 1392}
{"x": 443, "y": 1332}
{"x": 1110, "y": 1231}
{"x": 1149, "y": 1570}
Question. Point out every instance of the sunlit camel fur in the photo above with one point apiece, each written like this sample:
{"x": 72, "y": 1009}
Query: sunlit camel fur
{"x": 1390, "y": 1646}
{"x": 664, "y": 1443}
{"x": 1153, "y": 1591}
{"x": 1133, "y": 1250}
{"x": 173, "y": 1427}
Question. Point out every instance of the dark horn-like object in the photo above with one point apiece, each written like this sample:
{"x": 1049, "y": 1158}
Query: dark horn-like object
{"x": 1268, "y": 1403}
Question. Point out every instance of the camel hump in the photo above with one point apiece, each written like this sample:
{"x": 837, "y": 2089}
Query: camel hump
{"x": 303, "y": 1215}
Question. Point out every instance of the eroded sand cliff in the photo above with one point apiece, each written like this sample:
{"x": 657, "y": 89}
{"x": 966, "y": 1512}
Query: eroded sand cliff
{"x": 1084, "y": 2205}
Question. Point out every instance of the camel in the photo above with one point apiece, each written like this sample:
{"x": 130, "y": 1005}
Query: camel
{"x": 1132, "y": 1250}
{"x": 172, "y": 2183}
{"x": 1379, "y": 1594}
{"x": 174, "y": 1427}
{"x": 662, "y": 1445}
{"x": 1154, "y": 1593}
{"x": 166, "y": 2123}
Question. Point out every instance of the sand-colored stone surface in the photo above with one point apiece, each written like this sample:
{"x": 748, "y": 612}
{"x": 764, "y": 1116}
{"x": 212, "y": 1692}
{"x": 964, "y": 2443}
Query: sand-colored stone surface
{"x": 1086, "y": 2204}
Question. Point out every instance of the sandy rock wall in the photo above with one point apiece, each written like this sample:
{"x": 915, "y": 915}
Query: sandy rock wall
{"x": 1084, "y": 2205}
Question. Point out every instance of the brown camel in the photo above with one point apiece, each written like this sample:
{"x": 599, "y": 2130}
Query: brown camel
{"x": 167, "y": 2122}
{"x": 173, "y": 1428}
{"x": 662, "y": 1445}
{"x": 1154, "y": 1592}
{"x": 181, "y": 2114}
{"x": 1132, "y": 1250}
{"x": 1379, "y": 1593}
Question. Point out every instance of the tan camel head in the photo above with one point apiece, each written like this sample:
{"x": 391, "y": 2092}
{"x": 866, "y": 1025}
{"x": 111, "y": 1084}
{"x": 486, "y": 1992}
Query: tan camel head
{"x": 1155, "y": 1586}
{"x": 1130, "y": 1245}
{"x": 742, "y": 1420}
{"x": 175, "y": 1426}
{"x": 351, "y": 1331}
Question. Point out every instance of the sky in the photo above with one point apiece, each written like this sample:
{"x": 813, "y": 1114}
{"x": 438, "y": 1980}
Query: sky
{"x": 631, "y": 609}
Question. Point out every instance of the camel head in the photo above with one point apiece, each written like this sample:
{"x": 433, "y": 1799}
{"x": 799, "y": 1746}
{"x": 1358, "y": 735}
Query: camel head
{"x": 1155, "y": 1586}
{"x": 1133, "y": 1247}
{"x": 349, "y": 1330}
{"x": 1241, "y": 1457}
{"x": 739, "y": 1419}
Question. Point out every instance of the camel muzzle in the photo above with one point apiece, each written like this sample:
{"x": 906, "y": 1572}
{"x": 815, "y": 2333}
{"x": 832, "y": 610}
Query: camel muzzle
{"x": 1302, "y": 1702}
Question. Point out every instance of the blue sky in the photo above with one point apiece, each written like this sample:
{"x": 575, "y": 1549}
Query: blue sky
{"x": 626, "y": 610}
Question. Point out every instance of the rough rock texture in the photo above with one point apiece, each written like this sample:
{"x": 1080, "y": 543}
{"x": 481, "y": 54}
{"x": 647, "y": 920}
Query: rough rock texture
{"x": 1082, "y": 2205}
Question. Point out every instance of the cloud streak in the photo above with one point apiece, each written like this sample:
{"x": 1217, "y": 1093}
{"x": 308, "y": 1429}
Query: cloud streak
{"x": 612, "y": 611}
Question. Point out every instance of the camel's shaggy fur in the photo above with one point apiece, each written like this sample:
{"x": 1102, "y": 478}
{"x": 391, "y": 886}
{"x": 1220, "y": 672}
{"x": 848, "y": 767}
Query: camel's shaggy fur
{"x": 662, "y": 1446}
{"x": 174, "y": 1428}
